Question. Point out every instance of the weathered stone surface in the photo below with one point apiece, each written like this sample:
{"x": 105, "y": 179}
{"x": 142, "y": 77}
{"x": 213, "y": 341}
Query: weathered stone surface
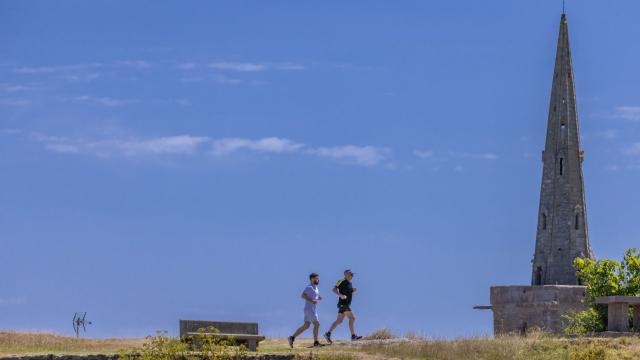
{"x": 562, "y": 233}
{"x": 242, "y": 333}
{"x": 618, "y": 317}
{"x": 224, "y": 327}
{"x": 618, "y": 299}
{"x": 517, "y": 309}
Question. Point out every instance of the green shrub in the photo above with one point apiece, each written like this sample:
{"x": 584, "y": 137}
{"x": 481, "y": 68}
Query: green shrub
{"x": 603, "y": 278}
{"x": 204, "y": 346}
{"x": 584, "y": 322}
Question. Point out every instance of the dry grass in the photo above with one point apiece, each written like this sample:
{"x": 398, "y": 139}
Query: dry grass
{"x": 381, "y": 334}
{"x": 535, "y": 347}
{"x": 512, "y": 348}
{"x": 21, "y": 343}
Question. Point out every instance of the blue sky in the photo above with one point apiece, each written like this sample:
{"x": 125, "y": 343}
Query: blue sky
{"x": 197, "y": 160}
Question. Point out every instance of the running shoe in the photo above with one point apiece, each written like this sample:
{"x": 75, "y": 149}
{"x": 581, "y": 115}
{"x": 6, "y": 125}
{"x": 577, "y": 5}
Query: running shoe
{"x": 327, "y": 336}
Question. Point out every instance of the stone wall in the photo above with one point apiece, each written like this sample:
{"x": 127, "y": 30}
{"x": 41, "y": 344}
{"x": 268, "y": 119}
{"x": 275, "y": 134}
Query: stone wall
{"x": 517, "y": 309}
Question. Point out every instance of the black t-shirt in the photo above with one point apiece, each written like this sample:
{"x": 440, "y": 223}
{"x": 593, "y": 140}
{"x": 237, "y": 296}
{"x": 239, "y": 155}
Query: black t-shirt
{"x": 344, "y": 287}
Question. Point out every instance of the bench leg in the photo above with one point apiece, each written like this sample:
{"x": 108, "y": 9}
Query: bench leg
{"x": 636, "y": 318}
{"x": 618, "y": 314}
{"x": 252, "y": 345}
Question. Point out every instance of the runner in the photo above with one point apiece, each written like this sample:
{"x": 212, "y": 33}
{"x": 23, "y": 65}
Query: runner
{"x": 344, "y": 289}
{"x": 311, "y": 296}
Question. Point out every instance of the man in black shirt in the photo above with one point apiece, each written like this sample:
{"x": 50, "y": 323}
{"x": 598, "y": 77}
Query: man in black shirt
{"x": 344, "y": 289}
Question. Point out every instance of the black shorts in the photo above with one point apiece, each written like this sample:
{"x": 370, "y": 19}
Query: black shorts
{"x": 343, "y": 308}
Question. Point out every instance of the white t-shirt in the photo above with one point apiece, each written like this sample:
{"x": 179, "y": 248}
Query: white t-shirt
{"x": 312, "y": 293}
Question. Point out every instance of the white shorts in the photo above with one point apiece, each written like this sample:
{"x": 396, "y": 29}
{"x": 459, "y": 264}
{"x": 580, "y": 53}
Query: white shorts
{"x": 310, "y": 316}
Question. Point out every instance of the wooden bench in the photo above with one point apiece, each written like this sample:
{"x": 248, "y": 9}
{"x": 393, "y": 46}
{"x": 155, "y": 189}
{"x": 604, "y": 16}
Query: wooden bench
{"x": 618, "y": 312}
{"x": 242, "y": 333}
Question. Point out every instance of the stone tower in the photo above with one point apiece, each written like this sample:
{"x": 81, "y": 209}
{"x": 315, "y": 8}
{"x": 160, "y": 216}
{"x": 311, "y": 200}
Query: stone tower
{"x": 562, "y": 233}
{"x": 562, "y": 220}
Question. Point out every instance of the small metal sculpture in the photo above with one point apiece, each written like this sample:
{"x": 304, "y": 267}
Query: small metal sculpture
{"x": 79, "y": 321}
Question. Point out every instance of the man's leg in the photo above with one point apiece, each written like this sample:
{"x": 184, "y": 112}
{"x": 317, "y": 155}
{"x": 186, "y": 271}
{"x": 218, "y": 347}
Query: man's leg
{"x": 352, "y": 322}
{"x": 337, "y": 322}
{"x": 316, "y": 328}
{"x": 301, "y": 329}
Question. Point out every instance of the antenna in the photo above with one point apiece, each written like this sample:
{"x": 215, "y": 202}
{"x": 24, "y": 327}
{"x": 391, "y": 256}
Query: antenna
{"x": 80, "y": 320}
{"x": 563, "y": 6}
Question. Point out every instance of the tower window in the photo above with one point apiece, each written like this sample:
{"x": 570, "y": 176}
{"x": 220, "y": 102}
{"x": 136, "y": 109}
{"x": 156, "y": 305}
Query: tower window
{"x": 561, "y": 166}
{"x": 544, "y": 221}
{"x": 577, "y": 225}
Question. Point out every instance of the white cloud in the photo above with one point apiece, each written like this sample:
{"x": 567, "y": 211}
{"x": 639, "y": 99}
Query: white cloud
{"x": 360, "y": 155}
{"x": 270, "y": 144}
{"x": 181, "y": 144}
{"x": 136, "y": 64}
{"x": 477, "y": 156}
{"x": 62, "y": 147}
{"x": 15, "y": 102}
{"x": 238, "y": 66}
{"x": 609, "y": 134}
{"x": 104, "y": 101}
{"x": 631, "y": 113}
{"x": 186, "y": 66}
{"x": 10, "y": 132}
{"x": 167, "y": 145}
{"x": 633, "y": 150}
{"x": 13, "y": 300}
{"x": 14, "y": 87}
{"x": 191, "y": 79}
{"x": 54, "y": 69}
{"x": 423, "y": 154}
{"x": 82, "y": 77}
{"x": 430, "y": 154}
{"x": 256, "y": 67}
{"x": 189, "y": 145}
{"x": 289, "y": 66}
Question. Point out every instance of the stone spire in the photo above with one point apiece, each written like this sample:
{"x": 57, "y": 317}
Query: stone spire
{"x": 562, "y": 233}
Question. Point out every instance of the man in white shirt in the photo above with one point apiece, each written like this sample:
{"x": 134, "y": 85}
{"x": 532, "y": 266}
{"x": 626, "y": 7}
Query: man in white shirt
{"x": 311, "y": 296}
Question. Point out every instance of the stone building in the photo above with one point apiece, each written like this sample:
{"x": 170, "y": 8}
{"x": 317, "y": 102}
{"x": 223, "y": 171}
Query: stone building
{"x": 562, "y": 233}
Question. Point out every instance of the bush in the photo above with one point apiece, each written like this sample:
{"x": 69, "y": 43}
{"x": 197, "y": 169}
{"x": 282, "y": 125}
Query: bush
{"x": 584, "y": 322}
{"x": 381, "y": 334}
{"x": 603, "y": 278}
{"x": 209, "y": 346}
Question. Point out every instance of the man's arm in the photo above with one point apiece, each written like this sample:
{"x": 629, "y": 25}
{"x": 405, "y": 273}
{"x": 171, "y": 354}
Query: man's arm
{"x": 337, "y": 292}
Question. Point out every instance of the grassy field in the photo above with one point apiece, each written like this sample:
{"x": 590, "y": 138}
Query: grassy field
{"x": 19, "y": 343}
{"x": 535, "y": 347}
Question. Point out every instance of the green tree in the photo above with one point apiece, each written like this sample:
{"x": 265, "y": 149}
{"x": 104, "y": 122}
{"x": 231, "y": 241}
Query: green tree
{"x": 603, "y": 278}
